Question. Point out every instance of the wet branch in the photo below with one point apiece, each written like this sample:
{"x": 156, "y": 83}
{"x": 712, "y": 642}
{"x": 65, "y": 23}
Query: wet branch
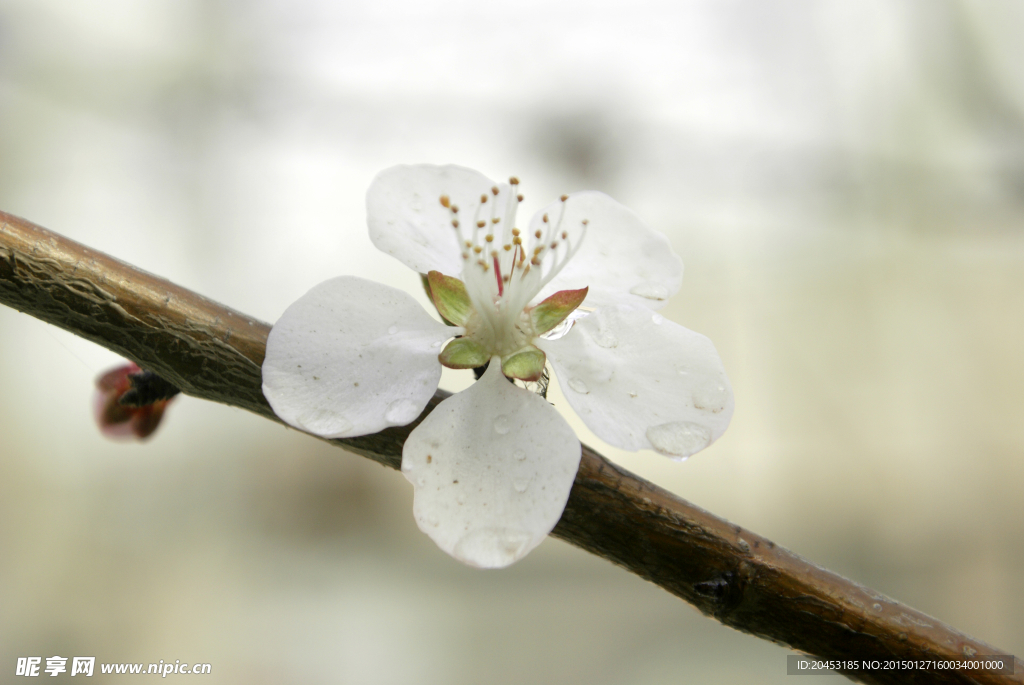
{"x": 726, "y": 571}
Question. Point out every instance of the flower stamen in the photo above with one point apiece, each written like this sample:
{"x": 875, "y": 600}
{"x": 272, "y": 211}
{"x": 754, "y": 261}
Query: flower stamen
{"x": 497, "y": 275}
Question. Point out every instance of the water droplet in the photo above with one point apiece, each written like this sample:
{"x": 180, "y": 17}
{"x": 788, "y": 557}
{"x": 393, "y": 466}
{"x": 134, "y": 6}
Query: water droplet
{"x": 632, "y": 394}
{"x": 876, "y": 606}
{"x": 679, "y": 438}
{"x": 565, "y": 326}
{"x": 711, "y": 398}
{"x": 501, "y": 424}
{"x": 401, "y": 412}
{"x": 392, "y": 330}
{"x": 323, "y": 422}
{"x": 606, "y": 340}
{"x": 520, "y": 484}
{"x": 652, "y": 291}
{"x": 520, "y": 455}
{"x": 460, "y": 498}
{"x": 433, "y": 520}
{"x": 491, "y": 547}
{"x": 579, "y": 386}
{"x": 657, "y": 319}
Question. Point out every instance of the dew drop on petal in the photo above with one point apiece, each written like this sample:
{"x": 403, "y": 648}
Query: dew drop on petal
{"x": 652, "y": 291}
{"x": 460, "y": 498}
{"x": 606, "y": 340}
{"x": 520, "y": 484}
{"x": 392, "y": 330}
{"x": 491, "y": 546}
{"x": 657, "y": 319}
{"x": 401, "y": 412}
{"x": 679, "y": 438}
{"x": 579, "y": 386}
{"x": 520, "y": 455}
{"x": 501, "y": 426}
{"x": 711, "y": 398}
{"x": 323, "y": 420}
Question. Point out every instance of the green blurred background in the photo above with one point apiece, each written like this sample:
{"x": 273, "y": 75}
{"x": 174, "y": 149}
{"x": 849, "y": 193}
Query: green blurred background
{"x": 844, "y": 181}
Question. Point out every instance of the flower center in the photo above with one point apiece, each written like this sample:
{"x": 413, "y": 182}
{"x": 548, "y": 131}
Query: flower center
{"x": 504, "y": 268}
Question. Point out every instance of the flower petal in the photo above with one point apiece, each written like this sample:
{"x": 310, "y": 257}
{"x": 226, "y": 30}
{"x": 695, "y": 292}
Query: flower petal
{"x": 640, "y": 381}
{"x": 621, "y": 259}
{"x": 492, "y": 468}
{"x": 408, "y": 222}
{"x": 352, "y": 357}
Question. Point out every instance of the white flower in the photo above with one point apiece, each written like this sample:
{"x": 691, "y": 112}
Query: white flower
{"x": 492, "y": 466}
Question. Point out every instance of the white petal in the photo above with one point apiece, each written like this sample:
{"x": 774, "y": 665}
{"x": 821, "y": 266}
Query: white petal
{"x": 492, "y": 467}
{"x": 407, "y": 221}
{"x": 352, "y": 357}
{"x": 640, "y": 381}
{"x": 621, "y": 259}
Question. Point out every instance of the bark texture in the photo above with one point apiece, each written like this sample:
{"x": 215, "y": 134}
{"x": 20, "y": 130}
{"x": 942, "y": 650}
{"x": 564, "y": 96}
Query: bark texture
{"x": 727, "y": 572}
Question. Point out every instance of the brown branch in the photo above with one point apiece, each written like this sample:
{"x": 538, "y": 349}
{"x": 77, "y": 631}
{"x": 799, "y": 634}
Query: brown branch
{"x": 727, "y": 572}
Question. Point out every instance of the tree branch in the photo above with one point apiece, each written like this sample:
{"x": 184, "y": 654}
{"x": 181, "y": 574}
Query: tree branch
{"x": 727, "y": 572}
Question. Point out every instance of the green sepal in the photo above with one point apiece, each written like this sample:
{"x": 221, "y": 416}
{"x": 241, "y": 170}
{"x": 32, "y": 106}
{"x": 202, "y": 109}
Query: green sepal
{"x": 554, "y": 309}
{"x": 463, "y": 353}
{"x": 527, "y": 364}
{"x": 450, "y": 297}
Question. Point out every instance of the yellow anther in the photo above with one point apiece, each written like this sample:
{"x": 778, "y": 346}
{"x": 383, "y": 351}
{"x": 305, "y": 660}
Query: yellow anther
{"x": 537, "y": 234}
{"x": 564, "y": 198}
{"x": 538, "y": 249}
{"x": 483, "y": 199}
{"x": 495, "y": 219}
{"x": 517, "y": 241}
{"x": 514, "y": 181}
{"x": 465, "y": 255}
{"x": 489, "y": 238}
{"x": 554, "y": 245}
{"x": 455, "y": 223}
{"x": 545, "y": 217}
{"x": 519, "y": 198}
{"x": 469, "y": 243}
{"x": 535, "y": 261}
{"x": 586, "y": 221}
{"x": 494, "y": 190}
{"x": 507, "y": 248}
{"x": 455, "y": 209}
{"x": 446, "y": 201}
{"x": 565, "y": 235}
{"x": 515, "y": 231}
{"x": 477, "y": 249}
{"x": 481, "y": 224}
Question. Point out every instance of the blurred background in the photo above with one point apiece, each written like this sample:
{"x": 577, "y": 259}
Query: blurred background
{"x": 844, "y": 182}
